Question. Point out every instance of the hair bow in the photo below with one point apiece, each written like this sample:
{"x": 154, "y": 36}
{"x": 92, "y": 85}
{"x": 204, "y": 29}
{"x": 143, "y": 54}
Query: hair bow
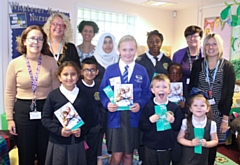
{"x": 196, "y": 91}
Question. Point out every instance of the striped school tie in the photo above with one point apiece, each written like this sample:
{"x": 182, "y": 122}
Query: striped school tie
{"x": 125, "y": 75}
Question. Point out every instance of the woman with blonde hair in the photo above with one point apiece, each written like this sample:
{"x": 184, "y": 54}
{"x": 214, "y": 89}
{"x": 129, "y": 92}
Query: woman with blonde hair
{"x": 215, "y": 75}
{"x": 59, "y": 31}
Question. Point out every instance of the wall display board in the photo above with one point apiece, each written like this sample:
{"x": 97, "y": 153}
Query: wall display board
{"x": 24, "y": 15}
{"x": 232, "y": 17}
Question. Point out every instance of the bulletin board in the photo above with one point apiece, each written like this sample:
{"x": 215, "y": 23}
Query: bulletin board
{"x": 231, "y": 15}
{"x": 24, "y": 15}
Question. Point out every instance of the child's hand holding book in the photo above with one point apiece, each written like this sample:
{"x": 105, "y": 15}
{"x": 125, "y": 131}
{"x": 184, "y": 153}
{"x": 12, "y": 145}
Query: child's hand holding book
{"x": 196, "y": 142}
{"x": 66, "y": 132}
{"x": 135, "y": 107}
{"x": 112, "y": 107}
{"x": 77, "y": 132}
{"x": 170, "y": 117}
{"x": 154, "y": 118}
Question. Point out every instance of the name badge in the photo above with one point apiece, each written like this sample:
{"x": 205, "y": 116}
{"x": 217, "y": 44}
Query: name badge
{"x": 187, "y": 80}
{"x": 211, "y": 101}
{"x": 35, "y": 115}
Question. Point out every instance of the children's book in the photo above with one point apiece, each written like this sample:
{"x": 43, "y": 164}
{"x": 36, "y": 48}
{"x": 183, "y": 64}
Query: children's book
{"x": 123, "y": 96}
{"x": 109, "y": 92}
{"x": 176, "y": 94}
{"x": 162, "y": 124}
{"x": 68, "y": 117}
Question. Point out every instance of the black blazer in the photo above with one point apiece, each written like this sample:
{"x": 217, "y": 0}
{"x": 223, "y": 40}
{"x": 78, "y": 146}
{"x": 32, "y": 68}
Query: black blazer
{"x": 227, "y": 91}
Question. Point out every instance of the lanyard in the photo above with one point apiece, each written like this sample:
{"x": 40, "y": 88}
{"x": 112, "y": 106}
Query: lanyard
{"x": 59, "y": 51}
{"x": 190, "y": 59}
{"x": 34, "y": 80}
{"x": 210, "y": 84}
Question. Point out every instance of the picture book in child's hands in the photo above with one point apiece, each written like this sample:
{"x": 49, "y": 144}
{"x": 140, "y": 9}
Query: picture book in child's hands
{"x": 176, "y": 94}
{"x": 123, "y": 96}
{"x": 68, "y": 117}
{"x": 162, "y": 124}
{"x": 109, "y": 92}
{"x": 198, "y": 133}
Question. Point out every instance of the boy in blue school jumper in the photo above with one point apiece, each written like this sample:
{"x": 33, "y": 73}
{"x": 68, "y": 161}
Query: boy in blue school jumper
{"x": 158, "y": 145}
{"x": 91, "y": 88}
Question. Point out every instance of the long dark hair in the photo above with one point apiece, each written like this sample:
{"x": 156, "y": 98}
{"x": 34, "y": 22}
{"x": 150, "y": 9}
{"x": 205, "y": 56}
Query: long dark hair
{"x": 189, "y": 116}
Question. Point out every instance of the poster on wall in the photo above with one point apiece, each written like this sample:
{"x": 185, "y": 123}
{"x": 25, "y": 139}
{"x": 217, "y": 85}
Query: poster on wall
{"x": 18, "y": 20}
{"x": 216, "y": 25}
{"x": 235, "y": 60}
{"x": 231, "y": 15}
{"x": 24, "y": 15}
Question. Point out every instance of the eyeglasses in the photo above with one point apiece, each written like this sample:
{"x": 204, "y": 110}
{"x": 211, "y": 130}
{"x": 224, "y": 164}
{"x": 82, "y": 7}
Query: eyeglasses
{"x": 32, "y": 39}
{"x": 192, "y": 37}
{"x": 89, "y": 70}
{"x": 55, "y": 24}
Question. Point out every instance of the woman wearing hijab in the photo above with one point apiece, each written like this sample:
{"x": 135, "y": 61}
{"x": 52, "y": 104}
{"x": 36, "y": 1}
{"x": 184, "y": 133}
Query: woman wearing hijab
{"x": 105, "y": 53}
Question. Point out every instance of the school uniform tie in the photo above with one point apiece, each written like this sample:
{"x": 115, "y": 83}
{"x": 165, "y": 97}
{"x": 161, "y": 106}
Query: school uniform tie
{"x": 156, "y": 58}
{"x": 125, "y": 75}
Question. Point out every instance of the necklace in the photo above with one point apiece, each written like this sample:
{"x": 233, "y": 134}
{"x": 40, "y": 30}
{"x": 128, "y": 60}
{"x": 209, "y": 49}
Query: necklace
{"x": 190, "y": 59}
{"x": 85, "y": 55}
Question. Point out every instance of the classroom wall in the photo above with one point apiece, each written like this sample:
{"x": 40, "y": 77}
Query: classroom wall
{"x": 192, "y": 16}
{"x": 148, "y": 19}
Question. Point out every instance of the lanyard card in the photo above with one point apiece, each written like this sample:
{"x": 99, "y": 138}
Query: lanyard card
{"x": 109, "y": 92}
{"x": 35, "y": 115}
{"x": 162, "y": 124}
{"x": 198, "y": 133}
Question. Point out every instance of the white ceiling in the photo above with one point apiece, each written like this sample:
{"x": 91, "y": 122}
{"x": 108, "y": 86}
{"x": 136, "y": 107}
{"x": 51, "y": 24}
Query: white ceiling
{"x": 182, "y": 4}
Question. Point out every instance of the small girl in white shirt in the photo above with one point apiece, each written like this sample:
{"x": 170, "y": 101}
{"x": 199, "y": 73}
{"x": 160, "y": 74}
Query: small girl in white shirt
{"x": 199, "y": 117}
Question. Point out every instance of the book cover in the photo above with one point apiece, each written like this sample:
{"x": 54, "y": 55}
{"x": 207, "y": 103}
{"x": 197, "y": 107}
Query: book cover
{"x": 162, "y": 124}
{"x": 68, "y": 117}
{"x": 109, "y": 92}
{"x": 123, "y": 96}
{"x": 176, "y": 94}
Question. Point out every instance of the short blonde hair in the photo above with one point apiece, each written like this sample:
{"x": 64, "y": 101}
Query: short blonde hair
{"x": 68, "y": 32}
{"x": 160, "y": 77}
{"x": 219, "y": 42}
{"x": 127, "y": 38}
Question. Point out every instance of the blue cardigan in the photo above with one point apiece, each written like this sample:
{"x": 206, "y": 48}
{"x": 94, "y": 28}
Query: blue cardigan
{"x": 141, "y": 92}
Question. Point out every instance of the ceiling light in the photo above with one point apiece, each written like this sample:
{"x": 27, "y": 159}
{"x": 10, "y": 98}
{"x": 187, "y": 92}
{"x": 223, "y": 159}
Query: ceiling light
{"x": 158, "y": 3}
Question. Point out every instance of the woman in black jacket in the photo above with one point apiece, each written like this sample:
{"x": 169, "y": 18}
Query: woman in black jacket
{"x": 215, "y": 75}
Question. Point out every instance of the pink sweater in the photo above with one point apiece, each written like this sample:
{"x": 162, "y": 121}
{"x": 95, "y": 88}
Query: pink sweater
{"x": 18, "y": 82}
